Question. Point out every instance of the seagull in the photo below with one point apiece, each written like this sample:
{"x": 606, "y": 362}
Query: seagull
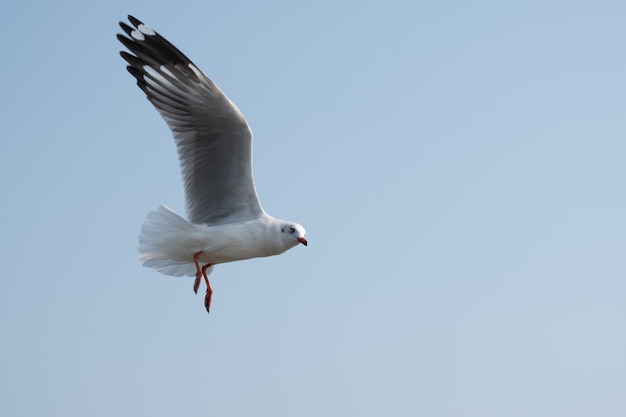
{"x": 226, "y": 222}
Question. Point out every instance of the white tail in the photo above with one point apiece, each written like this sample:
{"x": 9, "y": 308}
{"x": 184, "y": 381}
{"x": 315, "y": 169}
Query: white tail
{"x": 166, "y": 243}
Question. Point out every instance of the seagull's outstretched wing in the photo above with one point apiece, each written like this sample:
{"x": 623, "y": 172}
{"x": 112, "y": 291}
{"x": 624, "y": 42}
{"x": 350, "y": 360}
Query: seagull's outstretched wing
{"x": 213, "y": 139}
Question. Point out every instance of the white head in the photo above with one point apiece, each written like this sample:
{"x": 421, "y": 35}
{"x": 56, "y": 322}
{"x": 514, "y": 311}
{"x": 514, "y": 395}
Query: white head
{"x": 292, "y": 233}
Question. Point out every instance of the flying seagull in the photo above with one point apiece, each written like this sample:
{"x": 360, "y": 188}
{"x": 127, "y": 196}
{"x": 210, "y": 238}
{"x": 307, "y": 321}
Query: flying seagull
{"x": 214, "y": 142}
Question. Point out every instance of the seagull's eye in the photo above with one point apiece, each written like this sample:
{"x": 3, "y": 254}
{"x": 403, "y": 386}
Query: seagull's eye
{"x": 292, "y": 229}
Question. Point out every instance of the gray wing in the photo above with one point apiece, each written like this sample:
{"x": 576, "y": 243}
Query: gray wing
{"x": 213, "y": 139}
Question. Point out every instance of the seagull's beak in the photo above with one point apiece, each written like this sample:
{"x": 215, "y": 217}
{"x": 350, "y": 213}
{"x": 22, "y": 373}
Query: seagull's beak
{"x": 303, "y": 241}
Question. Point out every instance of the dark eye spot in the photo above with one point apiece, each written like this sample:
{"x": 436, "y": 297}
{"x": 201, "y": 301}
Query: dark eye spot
{"x": 292, "y": 229}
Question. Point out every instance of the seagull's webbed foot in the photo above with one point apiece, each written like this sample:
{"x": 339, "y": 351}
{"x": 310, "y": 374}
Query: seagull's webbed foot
{"x": 196, "y": 284}
{"x": 209, "y": 290}
{"x": 200, "y": 273}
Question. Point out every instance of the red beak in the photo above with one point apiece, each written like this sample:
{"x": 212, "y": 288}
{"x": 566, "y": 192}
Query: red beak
{"x": 303, "y": 241}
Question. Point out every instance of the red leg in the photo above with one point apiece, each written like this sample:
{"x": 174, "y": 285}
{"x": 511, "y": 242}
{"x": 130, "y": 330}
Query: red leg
{"x": 209, "y": 290}
{"x": 199, "y": 274}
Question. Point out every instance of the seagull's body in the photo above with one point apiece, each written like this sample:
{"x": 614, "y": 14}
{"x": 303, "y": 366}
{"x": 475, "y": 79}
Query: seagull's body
{"x": 168, "y": 242}
{"x": 226, "y": 221}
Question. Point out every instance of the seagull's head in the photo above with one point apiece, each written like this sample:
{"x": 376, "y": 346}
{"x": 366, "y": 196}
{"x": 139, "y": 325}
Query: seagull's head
{"x": 290, "y": 230}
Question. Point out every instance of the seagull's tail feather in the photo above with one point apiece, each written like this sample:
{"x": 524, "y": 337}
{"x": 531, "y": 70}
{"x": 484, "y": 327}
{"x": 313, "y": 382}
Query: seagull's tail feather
{"x": 166, "y": 243}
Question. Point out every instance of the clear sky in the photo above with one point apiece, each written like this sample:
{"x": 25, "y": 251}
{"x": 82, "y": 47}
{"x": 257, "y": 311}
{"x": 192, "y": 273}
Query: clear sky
{"x": 459, "y": 167}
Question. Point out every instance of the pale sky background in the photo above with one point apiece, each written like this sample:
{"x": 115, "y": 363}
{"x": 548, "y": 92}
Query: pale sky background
{"x": 459, "y": 167}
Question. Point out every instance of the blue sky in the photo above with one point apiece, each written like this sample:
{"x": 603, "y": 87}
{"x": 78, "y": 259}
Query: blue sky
{"x": 459, "y": 168}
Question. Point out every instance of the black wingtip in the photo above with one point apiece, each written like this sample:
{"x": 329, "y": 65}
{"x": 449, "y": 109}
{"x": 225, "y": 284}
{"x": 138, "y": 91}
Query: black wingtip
{"x": 120, "y": 37}
{"x": 127, "y": 42}
{"x": 136, "y": 22}
{"x": 131, "y": 59}
{"x": 127, "y": 29}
